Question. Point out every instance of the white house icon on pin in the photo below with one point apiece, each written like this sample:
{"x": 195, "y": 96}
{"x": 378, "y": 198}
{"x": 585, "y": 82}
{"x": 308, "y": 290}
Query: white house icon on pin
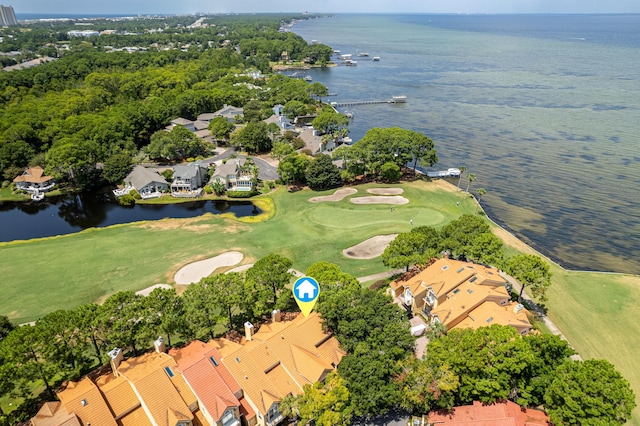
{"x": 306, "y": 290}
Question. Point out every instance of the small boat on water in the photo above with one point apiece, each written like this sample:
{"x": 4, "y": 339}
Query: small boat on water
{"x": 350, "y": 63}
{"x": 376, "y": 58}
{"x": 308, "y": 78}
{"x": 363, "y": 54}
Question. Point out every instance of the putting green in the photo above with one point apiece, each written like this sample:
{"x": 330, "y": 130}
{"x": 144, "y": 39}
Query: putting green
{"x": 344, "y": 218}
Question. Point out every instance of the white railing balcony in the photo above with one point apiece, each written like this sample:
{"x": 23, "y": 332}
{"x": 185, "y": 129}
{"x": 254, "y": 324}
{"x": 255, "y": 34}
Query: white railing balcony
{"x": 275, "y": 420}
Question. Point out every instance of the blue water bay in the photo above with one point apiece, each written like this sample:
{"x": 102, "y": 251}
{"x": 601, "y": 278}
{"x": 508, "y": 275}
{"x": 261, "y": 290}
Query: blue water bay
{"x": 543, "y": 109}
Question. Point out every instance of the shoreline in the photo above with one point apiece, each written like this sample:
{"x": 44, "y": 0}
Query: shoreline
{"x": 512, "y": 240}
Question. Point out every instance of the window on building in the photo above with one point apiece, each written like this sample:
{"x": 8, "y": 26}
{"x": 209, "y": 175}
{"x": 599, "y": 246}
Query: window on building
{"x": 169, "y": 372}
{"x": 228, "y": 418}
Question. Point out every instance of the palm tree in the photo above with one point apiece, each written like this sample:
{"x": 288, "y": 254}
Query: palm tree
{"x": 472, "y": 177}
{"x": 481, "y": 192}
{"x": 462, "y": 170}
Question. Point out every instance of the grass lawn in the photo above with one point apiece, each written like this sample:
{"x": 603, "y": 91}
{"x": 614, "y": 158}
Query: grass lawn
{"x": 596, "y": 312}
{"x": 43, "y": 275}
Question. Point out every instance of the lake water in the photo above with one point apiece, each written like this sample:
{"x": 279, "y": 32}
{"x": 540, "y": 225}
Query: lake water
{"x": 72, "y": 213}
{"x": 543, "y": 109}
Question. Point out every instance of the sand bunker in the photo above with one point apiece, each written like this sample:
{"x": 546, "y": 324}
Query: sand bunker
{"x": 147, "y": 291}
{"x": 385, "y": 191}
{"x": 381, "y": 199}
{"x": 194, "y": 272}
{"x": 368, "y": 249}
{"x": 336, "y": 196}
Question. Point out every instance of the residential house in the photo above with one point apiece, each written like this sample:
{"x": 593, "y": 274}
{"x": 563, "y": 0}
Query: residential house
{"x": 277, "y": 109}
{"x": 460, "y": 294}
{"x": 314, "y": 143}
{"x": 54, "y": 414}
{"x": 228, "y": 112}
{"x": 34, "y": 180}
{"x": 220, "y": 383}
{"x": 148, "y": 182}
{"x": 142, "y": 391}
{"x": 219, "y": 395}
{"x": 498, "y": 414}
{"x": 232, "y": 176}
{"x": 188, "y": 124}
{"x": 283, "y": 122}
{"x": 200, "y": 125}
{"x": 278, "y": 360}
{"x": 188, "y": 179}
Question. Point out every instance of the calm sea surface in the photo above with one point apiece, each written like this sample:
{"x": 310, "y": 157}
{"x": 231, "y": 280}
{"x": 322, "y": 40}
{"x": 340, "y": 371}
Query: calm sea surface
{"x": 543, "y": 109}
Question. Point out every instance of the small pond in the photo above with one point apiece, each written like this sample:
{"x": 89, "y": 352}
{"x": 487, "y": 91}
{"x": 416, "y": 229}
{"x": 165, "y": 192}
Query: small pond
{"x": 72, "y": 213}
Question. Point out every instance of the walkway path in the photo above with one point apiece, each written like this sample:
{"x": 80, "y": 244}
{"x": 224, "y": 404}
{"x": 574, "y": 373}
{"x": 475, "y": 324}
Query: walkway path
{"x": 380, "y": 276}
{"x": 538, "y": 310}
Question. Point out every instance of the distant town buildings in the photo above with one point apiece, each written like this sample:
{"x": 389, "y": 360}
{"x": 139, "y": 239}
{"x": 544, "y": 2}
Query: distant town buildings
{"x": 83, "y": 33}
{"x": 7, "y": 16}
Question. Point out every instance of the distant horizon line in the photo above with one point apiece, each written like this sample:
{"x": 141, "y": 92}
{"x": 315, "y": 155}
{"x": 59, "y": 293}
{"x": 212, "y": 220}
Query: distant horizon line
{"x": 137, "y": 14}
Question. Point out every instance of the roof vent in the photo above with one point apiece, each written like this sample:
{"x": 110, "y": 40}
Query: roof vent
{"x": 84, "y": 402}
{"x": 518, "y": 308}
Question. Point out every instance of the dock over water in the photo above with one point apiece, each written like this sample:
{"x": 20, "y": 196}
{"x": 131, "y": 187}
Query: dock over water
{"x": 393, "y": 100}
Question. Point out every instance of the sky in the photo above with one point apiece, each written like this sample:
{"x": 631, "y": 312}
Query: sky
{"x": 134, "y": 7}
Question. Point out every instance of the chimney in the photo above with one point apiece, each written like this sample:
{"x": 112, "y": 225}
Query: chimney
{"x": 445, "y": 254}
{"x": 518, "y": 308}
{"x": 159, "y": 345}
{"x": 116, "y": 358}
{"x": 248, "y": 330}
{"x": 276, "y": 316}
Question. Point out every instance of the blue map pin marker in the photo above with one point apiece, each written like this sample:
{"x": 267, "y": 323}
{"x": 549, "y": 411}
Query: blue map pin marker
{"x": 306, "y": 291}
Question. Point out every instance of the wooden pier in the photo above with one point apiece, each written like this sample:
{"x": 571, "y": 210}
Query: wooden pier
{"x": 393, "y": 100}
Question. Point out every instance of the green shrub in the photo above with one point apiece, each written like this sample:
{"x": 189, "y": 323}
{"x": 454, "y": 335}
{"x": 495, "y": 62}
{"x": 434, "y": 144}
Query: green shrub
{"x": 240, "y": 194}
{"x": 135, "y": 194}
{"x": 208, "y": 190}
{"x": 5, "y": 183}
{"x": 127, "y": 200}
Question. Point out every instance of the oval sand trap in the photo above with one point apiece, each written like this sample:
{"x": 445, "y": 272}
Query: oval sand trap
{"x": 194, "y": 272}
{"x": 336, "y": 196}
{"x": 385, "y": 191}
{"x": 380, "y": 199}
{"x": 147, "y": 291}
{"x": 368, "y": 249}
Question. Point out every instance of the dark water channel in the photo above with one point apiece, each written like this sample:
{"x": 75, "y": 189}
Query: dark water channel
{"x": 72, "y": 213}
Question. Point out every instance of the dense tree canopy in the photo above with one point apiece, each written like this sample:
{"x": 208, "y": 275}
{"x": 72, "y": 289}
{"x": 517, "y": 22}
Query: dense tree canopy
{"x": 90, "y": 105}
{"x": 392, "y": 145}
{"x": 531, "y": 271}
{"x": 589, "y": 393}
{"x": 322, "y": 174}
{"x": 468, "y": 237}
{"x": 373, "y": 331}
{"x": 493, "y": 363}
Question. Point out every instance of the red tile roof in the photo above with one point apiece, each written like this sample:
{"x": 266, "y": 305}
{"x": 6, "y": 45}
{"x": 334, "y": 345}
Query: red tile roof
{"x": 498, "y": 414}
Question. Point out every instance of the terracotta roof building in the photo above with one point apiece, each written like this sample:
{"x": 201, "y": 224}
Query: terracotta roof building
{"x": 279, "y": 360}
{"x": 217, "y": 392}
{"x": 498, "y": 414}
{"x": 461, "y": 294}
{"x": 54, "y": 414}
